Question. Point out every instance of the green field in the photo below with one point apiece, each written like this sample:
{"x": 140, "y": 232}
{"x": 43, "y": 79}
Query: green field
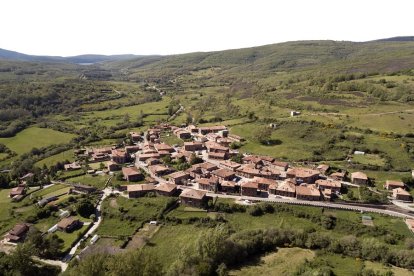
{"x": 285, "y": 260}
{"x": 183, "y": 212}
{"x": 12, "y": 212}
{"x": 122, "y": 216}
{"x": 60, "y": 157}
{"x": 170, "y": 240}
{"x": 171, "y": 139}
{"x": 97, "y": 181}
{"x": 369, "y": 159}
{"x": 35, "y": 137}
{"x": 282, "y": 262}
{"x": 70, "y": 238}
{"x": 53, "y": 190}
{"x": 294, "y": 141}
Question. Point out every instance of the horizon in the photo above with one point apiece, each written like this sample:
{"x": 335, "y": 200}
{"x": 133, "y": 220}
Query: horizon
{"x": 71, "y": 28}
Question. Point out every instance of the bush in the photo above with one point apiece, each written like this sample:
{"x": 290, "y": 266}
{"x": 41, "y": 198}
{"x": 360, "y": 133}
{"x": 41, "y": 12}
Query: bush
{"x": 85, "y": 208}
{"x": 256, "y": 211}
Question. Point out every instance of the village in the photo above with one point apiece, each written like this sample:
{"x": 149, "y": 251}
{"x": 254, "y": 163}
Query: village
{"x": 214, "y": 170}
{"x": 204, "y": 167}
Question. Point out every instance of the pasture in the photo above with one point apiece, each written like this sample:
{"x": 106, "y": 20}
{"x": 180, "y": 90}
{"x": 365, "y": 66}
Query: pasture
{"x": 282, "y": 262}
{"x": 60, "y": 157}
{"x": 35, "y": 137}
{"x": 122, "y": 216}
{"x": 97, "y": 181}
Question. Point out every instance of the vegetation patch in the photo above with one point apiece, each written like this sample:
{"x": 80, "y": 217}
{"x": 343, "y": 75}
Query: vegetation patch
{"x": 98, "y": 181}
{"x": 130, "y": 215}
{"x": 282, "y": 262}
{"x": 35, "y": 137}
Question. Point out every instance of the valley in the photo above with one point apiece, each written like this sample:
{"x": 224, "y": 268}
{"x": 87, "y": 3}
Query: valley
{"x": 345, "y": 105}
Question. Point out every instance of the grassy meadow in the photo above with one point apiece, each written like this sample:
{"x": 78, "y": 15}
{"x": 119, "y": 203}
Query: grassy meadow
{"x": 60, "y": 157}
{"x": 35, "y": 137}
{"x": 122, "y": 216}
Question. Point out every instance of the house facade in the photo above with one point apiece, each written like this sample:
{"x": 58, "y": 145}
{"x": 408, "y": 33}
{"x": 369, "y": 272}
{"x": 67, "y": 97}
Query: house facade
{"x": 194, "y": 198}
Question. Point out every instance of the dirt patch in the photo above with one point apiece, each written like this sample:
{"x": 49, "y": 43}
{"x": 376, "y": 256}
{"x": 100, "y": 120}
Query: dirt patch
{"x": 103, "y": 246}
{"x": 355, "y": 93}
{"x": 113, "y": 203}
{"x": 142, "y": 237}
{"x": 324, "y": 101}
{"x": 368, "y": 222}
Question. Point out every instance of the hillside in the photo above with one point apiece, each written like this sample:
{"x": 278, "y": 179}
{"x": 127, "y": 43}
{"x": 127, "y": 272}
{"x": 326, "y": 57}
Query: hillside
{"x": 386, "y": 56}
{"x": 81, "y": 59}
{"x": 344, "y": 90}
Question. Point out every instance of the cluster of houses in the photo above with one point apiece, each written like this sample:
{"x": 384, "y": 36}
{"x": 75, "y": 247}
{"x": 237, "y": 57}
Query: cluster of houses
{"x": 257, "y": 176}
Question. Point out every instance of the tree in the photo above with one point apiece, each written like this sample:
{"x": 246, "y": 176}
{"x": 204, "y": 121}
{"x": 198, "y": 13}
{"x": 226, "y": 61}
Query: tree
{"x": 251, "y": 115}
{"x": 408, "y": 180}
{"x": 194, "y": 159}
{"x": 119, "y": 176}
{"x": 263, "y": 135}
{"x": 350, "y": 195}
{"x": 85, "y": 208}
{"x": 49, "y": 246}
{"x": 4, "y": 181}
{"x": 235, "y": 145}
{"x": 238, "y": 158}
{"x": 328, "y": 222}
{"x": 21, "y": 259}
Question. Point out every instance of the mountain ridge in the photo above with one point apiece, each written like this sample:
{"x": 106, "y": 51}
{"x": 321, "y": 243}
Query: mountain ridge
{"x": 79, "y": 59}
{"x": 97, "y": 58}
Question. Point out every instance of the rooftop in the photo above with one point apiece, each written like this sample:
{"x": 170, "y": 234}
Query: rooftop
{"x": 166, "y": 187}
{"x": 65, "y": 222}
{"x": 130, "y": 171}
{"x": 307, "y": 190}
{"x": 140, "y": 187}
{"x": 359, "y": 175}
{"x": 223, "y": 173}
{"x": 328, "y": 183}
{"x": 195, "y": 194}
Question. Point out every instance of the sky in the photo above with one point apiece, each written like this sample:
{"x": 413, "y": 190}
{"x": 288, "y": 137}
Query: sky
{"x": 73, "y": 27}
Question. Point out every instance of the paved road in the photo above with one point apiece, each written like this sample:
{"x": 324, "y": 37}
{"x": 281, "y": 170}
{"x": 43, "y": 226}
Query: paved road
{"x": 318, "y": 204}
{"x": 145, "y": 168}
{"x": 181, "y": 109}
{"x": 106, "y": 193}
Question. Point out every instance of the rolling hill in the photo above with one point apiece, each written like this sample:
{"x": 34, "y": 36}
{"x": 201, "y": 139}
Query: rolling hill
{"x": 81, "y": 59}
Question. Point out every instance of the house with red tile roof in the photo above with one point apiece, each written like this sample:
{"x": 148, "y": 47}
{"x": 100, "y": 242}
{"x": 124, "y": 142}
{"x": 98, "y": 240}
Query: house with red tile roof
{"x": 166, "y": 189}
{"x": 393, "y": 184}
{"x": 286, "y": 188}
{"x": 359, "y": 178}
{"x": 224, "y": 174}
{"x": 250, "y": 188}
{"x": 303, "y": 175}
{"x": 179, "y": 177}
{"x": 333, "y": 185}
{"x": 132, "y": 174}
{"x": 208, "y": 184}
{"x": 138, "y": 190}
{"x": 194, "y": 198}
{"x": 401, "y": 194}
{"x": 308, "y": 192}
